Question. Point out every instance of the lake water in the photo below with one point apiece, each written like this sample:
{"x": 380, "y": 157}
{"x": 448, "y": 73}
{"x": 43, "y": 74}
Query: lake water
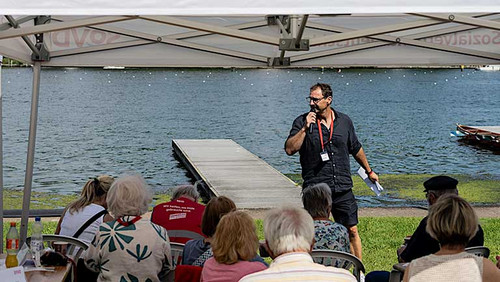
{"x": 94, "y": 121}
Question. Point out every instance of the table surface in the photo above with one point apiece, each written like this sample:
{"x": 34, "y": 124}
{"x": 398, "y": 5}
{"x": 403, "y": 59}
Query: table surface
{"x": 59, "y": 274}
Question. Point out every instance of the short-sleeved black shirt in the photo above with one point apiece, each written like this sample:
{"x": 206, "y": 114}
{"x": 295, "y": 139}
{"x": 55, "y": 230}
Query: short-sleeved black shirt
{"x": 422, "y": 244}
{"x": 337, "y": 171}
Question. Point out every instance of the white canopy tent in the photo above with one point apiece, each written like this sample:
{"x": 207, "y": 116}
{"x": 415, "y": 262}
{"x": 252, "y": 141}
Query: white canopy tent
{"x": 222, "y": 33}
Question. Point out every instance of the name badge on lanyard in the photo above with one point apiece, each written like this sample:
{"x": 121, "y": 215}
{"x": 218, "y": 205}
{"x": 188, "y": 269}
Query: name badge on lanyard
{"x": 324, "y": 152}
{"x": 324, "y": 156}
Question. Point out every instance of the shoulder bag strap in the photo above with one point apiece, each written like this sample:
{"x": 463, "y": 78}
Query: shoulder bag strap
{"x": 88, "y": 222}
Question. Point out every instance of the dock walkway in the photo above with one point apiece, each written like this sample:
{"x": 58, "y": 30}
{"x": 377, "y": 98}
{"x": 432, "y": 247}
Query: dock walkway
{"x": 229, "y": 169}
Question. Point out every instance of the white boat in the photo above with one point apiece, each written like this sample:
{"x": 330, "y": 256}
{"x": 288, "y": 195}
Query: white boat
{"x": 489, "y": 68}
{"x": 113, "y": 68}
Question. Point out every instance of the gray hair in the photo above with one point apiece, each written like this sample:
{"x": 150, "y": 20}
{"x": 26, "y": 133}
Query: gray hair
{"x": 288, "y": 229}
{"x": 317, "y": 200}
{"x": 186, "y": 190}
{"x": 128, "y": 195}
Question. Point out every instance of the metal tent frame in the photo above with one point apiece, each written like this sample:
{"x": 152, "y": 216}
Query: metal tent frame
{"x": 417, "y": 35}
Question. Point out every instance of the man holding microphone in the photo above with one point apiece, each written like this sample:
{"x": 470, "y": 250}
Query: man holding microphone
{"x": 325, "y": 138}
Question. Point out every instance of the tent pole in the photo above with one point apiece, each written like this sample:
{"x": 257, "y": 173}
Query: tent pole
{"x": 28, "y": 179}
{"x": 1, "y": 159}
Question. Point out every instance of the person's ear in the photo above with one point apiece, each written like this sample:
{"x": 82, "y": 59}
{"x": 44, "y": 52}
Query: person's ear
{"x": 271, "y": 254}
{"x": 431, "y": 198}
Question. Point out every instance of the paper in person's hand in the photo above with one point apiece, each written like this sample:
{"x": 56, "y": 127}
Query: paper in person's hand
{"x": 376, "y": 187}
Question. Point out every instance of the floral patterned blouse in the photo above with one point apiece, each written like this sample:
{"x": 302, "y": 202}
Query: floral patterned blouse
{"x": 130, "y": 249}
{"x": 329, "y": 235}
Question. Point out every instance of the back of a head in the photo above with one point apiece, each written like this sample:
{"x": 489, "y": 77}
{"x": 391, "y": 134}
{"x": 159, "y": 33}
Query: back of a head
{"x": 186, "y": 191}
{"x": 317, "y": 200}
{"x": 93, "y": 191}
{"x": 128, "y": 195}
{"x": 441, "y": 185}
{"x": 452, "y": 221}
{"x": 215, "y": 209}
{"x": 235, "y": 238}
{"x": 288, "y": 229}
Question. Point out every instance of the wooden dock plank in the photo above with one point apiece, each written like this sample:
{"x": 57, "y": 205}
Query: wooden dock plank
{"x": 230, "y": 170}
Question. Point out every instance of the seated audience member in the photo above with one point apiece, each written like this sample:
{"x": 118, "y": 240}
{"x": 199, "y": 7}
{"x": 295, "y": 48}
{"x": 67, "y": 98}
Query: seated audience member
{"x": 196, "y": 252}
{"x": 328, "y": 235}
{"x": 81, "y": 219}
{"x": 234, "y": 245}
{"x": 453, "y": 222}
{"x": 130, "y": 248}
{"x": 421, "y": 243}
{"x": 91, "y": 203}
{"x": 289, "y": 234}
{"x": 182, "y": 213}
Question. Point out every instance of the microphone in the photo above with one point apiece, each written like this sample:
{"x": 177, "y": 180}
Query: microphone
{"x": 310, "y": 126}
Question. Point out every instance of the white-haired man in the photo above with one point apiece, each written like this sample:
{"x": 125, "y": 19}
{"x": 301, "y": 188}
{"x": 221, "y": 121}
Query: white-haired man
{"x": 289, "y": 236}
{"x": 183, "y": 212}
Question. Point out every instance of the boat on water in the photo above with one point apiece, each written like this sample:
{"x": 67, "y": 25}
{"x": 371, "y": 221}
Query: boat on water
{"x": 113, "y": 68}
{"x": 480, "y": 135}
{"x": 489, "y": 68}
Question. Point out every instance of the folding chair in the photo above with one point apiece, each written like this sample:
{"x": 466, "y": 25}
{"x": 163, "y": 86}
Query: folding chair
{"x": 358, "y": 267}
{"x": 481, "y": 251}
{"x": 73, "y": 243}
{"x": 184, "y": 234}
{"x": 176, "y": 249}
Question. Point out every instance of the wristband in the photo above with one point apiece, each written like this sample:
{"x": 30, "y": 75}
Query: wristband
{"x": 369, "y": 172}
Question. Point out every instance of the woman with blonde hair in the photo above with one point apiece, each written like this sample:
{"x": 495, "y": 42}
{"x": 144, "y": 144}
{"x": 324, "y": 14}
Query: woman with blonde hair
{"x": 234, "y": 245}
{"x": 197, "y": 251}
{"x": 453, "y": 222}
{"x": 82, "y": 218}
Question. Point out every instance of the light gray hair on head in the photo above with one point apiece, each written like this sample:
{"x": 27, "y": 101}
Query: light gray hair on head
{"x": 186, "y": 190}
{"x": 317, "y": 200}
{"x": 128, "y": 195}
{"x": 288, "y": 229}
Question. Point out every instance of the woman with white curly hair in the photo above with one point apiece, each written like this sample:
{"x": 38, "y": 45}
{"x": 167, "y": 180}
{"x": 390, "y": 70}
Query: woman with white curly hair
{"x": 130, "y": 248}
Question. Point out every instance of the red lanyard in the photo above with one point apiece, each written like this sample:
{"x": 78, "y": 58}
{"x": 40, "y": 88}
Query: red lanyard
{"x": 321, "y": 133}
{"x": 127, "y": 223}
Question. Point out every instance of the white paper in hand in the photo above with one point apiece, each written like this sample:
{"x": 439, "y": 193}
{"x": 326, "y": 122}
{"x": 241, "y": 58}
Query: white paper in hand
{"x": 376, "y": 187}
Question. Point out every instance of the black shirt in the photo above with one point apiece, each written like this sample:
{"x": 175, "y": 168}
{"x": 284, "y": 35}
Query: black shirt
{"x": 422, "y": 244}
{"x": 335, "y": 172}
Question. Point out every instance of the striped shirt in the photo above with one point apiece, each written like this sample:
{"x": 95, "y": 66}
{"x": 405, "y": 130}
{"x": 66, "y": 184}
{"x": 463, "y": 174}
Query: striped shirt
{"x": 299, "y": 266}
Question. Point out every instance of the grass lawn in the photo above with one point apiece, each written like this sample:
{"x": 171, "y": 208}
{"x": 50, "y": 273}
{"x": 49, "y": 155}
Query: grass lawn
{"x": 381, "y": 237}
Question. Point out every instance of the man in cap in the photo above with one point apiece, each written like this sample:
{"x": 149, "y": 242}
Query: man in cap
{"x": 421, "y": 243}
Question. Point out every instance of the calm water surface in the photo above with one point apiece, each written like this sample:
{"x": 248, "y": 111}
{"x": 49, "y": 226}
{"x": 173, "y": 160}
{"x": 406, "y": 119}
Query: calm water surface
{"x": 94, "y": 121}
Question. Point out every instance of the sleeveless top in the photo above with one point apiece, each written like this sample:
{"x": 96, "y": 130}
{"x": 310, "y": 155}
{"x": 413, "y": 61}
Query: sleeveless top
{"x": 72, "y": 222}
{"x": 457, "y": 267}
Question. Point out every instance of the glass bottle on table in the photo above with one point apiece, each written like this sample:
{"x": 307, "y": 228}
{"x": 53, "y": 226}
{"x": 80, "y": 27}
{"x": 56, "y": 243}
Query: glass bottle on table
{"x": 12, "y": 245}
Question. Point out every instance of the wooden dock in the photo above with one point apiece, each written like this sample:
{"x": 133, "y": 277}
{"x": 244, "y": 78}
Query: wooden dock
{"x": 229, "y": 169}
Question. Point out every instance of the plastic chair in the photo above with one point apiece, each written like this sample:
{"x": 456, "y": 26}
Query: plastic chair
{"x": 184, "y": 234}
{"x": 481, "y": 251}
{"x": 73, "y": 243}
{"x": 176, "y": 249}
{"x": 358, "y": 267}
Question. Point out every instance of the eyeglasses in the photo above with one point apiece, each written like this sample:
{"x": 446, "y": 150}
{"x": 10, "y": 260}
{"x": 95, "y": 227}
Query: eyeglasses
{"x": 314, "y": 100}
